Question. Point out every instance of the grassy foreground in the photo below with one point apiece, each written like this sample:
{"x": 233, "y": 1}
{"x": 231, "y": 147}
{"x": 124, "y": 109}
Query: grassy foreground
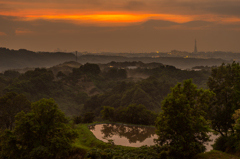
{"x": 215, "y": 155}
{"x": 87, "y": 141}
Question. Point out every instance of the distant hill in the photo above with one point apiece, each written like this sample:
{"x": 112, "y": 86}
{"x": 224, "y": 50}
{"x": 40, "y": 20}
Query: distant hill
{"x": 22, "y": 58}
{"x": 178, "y": 62}
{"x": 65, "y": 67}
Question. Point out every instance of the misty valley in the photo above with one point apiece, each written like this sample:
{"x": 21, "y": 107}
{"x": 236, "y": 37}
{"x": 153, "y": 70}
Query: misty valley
{"x": 58, "y": 105}
{"x": 119, "y": 79}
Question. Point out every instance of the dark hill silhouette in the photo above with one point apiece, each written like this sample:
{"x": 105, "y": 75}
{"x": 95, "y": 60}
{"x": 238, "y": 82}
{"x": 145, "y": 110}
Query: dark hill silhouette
{"x": 22, "y": 58}
{"x": 179, "y": 62}
{"x": 65, "y": 67}
{"x": 16, "y": 59}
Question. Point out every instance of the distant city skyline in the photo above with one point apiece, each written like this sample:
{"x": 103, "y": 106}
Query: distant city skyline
{"x": 120, "y": 26}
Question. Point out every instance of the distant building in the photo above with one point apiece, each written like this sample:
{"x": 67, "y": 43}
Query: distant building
{"x": 195, "y": 48}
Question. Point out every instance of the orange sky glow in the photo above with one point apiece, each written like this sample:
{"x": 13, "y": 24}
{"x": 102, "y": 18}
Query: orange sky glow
{"x": 115, "y": 18}
{"x": 88, "y": 12}
{"x": 125, "y": 11}
{"x": 112, "y": 17}
{"x": 127, "y": 24}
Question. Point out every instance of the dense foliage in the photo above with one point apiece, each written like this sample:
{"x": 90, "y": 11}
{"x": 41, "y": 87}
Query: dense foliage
{"x": 144, "y": 152}
{"x": 147, "y": 92}
{"x": 90, "y": 68}
{"x": 121, "y": 95}
{"x": 72, "y": 84}
{"x": 88, "y": 117}
{"x": 230, "y": 143}
{"x": 224, "y": 82}
{"x": 11, "y": 104}
{"x": 41, "y": 83}
{"x": 133, "y": 114}
{"x": 116, "y": 73}
{"x": 41, "y": 133}
{"x": 35, "y": 84}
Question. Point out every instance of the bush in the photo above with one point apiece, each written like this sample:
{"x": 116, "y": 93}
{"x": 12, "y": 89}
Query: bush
{"x": 90, "y": 68}
{"x": 11, "y": 74}
{"x": 144, "y": 152}
{"x": 226, "y": 144}
{"x": 133, "y": 114}
{"x": 77, "y": 119}
{"x": 88, "y": 117}
{"x": 220, "y": 143}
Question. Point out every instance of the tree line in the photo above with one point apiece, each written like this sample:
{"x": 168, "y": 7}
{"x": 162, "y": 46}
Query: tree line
{"x": 88, "y": 84}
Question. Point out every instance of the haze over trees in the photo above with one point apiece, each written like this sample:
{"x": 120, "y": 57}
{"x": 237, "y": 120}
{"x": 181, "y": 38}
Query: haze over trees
{"x": 22, "y": 58}
{"x": 183, "y": 115}
{"x": 16, "y": 59}
{"x": 83, "y": 85}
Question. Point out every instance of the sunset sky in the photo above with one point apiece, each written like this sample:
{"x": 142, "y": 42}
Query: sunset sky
{"x": 120, "y": 26}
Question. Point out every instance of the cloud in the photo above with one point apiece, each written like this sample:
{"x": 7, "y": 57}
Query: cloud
{"x": 151, "y": 35}
{"x": 2, "y": 34}
{"x": 3, "y": 6}
{"x": 219, "y": 7}
{"x": 223, "y": 7}
{"x": 135, "y": 5}
{"x": 20, "y": 31}
{"x": 177, "y": 10}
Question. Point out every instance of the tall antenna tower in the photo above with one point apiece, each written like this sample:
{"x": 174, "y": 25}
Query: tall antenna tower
{"x": 195, "y": 48}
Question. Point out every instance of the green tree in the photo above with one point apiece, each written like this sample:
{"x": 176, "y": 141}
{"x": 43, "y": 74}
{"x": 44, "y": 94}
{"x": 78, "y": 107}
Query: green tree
{"x": 81, "y": 97}
{"x": 38, "y": 82}
{"x": 11, "y": 74}
{"x": 88, "y": 117}
{"x": 60, "y": 75}
{"x": 42, "y": 133}
{"x": 42, "y": 73}
{"x": 224, "y": 82}
{"x": 77, "y": 119}
{"x": 11, "y": 104}
{"x": 107, "y": 113}
{"x": 181, "y": 126}
{"x": 90, "y": 68}
{"x": 112, "y": 72}
{"x": 138, "y": 114}
{"x": 133, "y": 114}
{"x": 237, "y": 128}
{"x": 122, "y": 73}
{"x": 117, "y": 73}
